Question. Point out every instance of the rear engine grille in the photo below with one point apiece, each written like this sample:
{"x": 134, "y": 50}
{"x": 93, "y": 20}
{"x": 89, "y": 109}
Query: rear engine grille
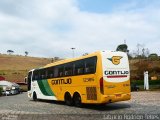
{"x": 91, "y": 93}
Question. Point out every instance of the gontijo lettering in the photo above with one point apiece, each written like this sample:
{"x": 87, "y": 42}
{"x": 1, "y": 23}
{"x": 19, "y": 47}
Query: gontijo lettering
{"x": 116, "y": 72}
{"x": 61, "y": 81}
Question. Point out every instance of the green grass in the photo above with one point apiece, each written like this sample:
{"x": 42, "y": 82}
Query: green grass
{"x": 154, "y": 85}
{"x": 141, "y": 82}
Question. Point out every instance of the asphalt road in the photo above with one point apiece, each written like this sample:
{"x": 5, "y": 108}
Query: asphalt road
{"x": 142, "y": 105}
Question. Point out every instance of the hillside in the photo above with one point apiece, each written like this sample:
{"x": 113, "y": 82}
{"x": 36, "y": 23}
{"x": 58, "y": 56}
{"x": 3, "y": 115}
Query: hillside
{"x": 138, "y": 66}
{"x": 15, "y": 68}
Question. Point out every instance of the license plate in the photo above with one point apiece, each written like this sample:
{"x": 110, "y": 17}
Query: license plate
{"x": 118, "y": 95}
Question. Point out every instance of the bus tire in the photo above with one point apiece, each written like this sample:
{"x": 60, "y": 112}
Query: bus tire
{"x": 34, "y": 96}
{"x": 77, "y": 100}
{"x": 68, "y": 99}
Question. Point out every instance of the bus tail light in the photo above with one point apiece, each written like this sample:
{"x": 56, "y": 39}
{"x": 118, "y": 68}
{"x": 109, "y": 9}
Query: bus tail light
{"x": 101, "y": 85}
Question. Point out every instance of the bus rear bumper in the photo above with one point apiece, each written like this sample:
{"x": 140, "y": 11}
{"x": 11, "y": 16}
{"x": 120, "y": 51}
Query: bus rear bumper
{"x": 115, "y": 98}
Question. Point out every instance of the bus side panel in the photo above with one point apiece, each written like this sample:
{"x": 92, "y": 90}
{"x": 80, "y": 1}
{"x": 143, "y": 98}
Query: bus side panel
{"x": 78, "y": 84}
{"x": 86, "y": 85}
{"x": 42, "y": 90}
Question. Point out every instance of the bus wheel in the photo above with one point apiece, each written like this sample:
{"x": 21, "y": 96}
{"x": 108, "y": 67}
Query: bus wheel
{"x": 77, "y": 99}
{"x": 68, "y": 99}
{"x": 34, "y": 96}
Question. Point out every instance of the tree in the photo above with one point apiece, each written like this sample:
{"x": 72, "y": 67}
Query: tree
{"x": 123, "y": 48}
{"x": 147, "y": 52}
{"x": 54, "y": 59}
{"x": 85, "y": 54}
{"x": 141, "y": 52}
{"x": 26, "y": 53}
{"x": 10, "y": 52}
{"x": 153, "y": 56}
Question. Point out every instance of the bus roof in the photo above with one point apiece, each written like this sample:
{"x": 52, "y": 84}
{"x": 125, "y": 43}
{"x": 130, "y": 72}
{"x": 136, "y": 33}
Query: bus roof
{"x": 71, "y": 59}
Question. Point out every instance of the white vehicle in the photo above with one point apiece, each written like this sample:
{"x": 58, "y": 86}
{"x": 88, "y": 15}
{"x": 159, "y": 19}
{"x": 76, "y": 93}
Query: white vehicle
{"x": 9, "y": 88}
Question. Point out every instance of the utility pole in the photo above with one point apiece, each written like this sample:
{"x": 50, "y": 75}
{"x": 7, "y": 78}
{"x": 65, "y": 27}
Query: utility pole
{"x": 124, "y": 41}
{"x": 73, "y": 52}
{"x": 146, "y": 80}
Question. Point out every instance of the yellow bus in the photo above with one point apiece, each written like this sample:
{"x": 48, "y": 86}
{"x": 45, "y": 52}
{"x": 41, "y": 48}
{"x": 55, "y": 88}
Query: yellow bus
{"x": 97, "y": 78}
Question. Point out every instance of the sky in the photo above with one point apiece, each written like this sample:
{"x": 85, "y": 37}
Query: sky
{"x": 50, "y": 28}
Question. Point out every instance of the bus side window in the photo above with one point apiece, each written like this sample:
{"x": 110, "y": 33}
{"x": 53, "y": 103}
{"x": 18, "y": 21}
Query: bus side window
{"x": 55, "y": 72}
{"x": 35, "y": 75}
{"x": 50, "y": 72}
{"x": 68, "y": 69}
{"x": 80, "y": 71}
{"x": 61, "y": 71}
{"x": 42, "y": 74}
{"x": 90, "y": 65}
{"x": 79, "y": 67}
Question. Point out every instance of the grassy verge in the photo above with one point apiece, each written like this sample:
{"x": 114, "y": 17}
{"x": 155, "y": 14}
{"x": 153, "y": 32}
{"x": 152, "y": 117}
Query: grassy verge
{"x": 154, "y": 85}
{"x": 141, "y": 82}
